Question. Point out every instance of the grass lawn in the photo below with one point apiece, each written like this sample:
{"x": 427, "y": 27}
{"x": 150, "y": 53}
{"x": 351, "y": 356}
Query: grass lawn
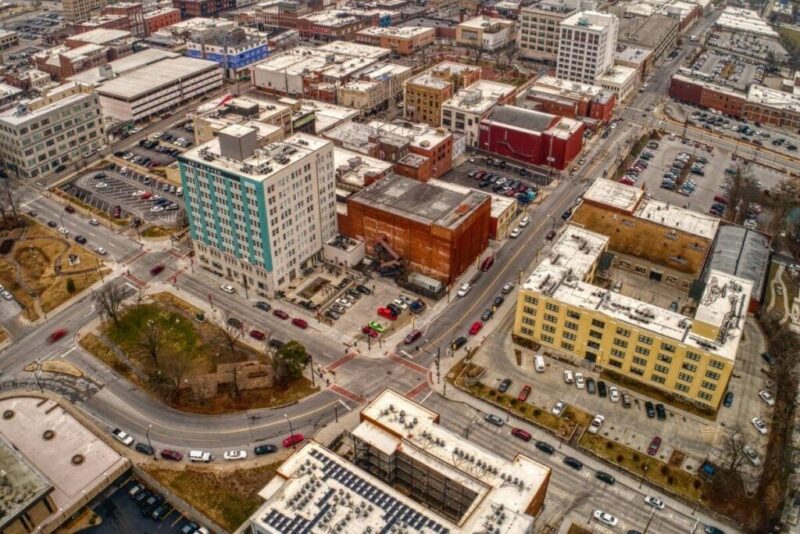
{"x": 671, "y": 479}
{"x": 228, "y": 498}
{"x": 789, "y": 34}
{"x": 160, "y": 231}
{"x": 98, "y": 348}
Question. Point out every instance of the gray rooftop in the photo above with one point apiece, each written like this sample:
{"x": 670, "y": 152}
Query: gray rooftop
{"x": 742, "y": 252}
{"x": 419, "y": 201}
{"x": 522, "y": 118}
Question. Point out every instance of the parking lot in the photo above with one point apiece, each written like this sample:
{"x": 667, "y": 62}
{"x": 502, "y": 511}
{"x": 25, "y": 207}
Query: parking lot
{"x": 122, "y": 512}
{"x": 135, "y": 193}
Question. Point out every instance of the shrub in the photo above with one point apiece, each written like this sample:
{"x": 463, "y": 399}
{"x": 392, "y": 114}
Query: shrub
{"x": 609, "y": 445}
{"x": 70, "y": 286}
{"x": 696, "y": 484}
{"x": 620, "y": 458}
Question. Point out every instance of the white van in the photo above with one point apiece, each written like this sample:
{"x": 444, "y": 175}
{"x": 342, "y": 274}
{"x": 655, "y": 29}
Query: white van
{"x": 538, "y": 363}
{"x": 199, "y": 456}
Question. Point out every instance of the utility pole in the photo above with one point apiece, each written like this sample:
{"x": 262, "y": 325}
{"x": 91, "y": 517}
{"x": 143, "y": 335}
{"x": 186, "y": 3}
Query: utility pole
{"x": 150, "y": 443}
{"x": 438, "y": 371}
{"x": 311, "y": 361}
{"x": 291, "y": 431}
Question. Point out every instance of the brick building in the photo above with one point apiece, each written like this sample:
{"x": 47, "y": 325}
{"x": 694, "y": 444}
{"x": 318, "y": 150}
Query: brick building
{"x": 425, "y": 93}
{"x": 571, "y": 99}
{"x": 202, "y": 8}
{"x": 403, "y": 41}
{"x": 133, "y": 12}
{"x": 106, "y": 22}
{"x": 155, "y": 20}
{"x": 531, "y": 137}
{"x": 426, "y": 228}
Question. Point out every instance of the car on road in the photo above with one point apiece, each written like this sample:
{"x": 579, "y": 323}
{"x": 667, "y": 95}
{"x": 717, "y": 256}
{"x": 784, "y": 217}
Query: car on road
{"x": 292, "y": 440}
{"x": 258, "y": 334}
{"x": 457, "y": 343}
{"x": 559, "y": 407}
{"x": 566, "y": 215}
{"x": 144, "y": 449}
{"x": 227, "y": 288}
{"x": 55, "y": 335}
{"x": 759, "y": 425}
{"x": 475, "y": 328}
{"x": 727, "y": 401}
{"x": 504, "y": 385}
{"x": 709, "y": 529}
{"x": 265, "y": 449}
{"x": 80, "y": 239}
{"x": 767, "y": 397}
{"x": 655, "y": 502}
{"x": 655, "y": 444}
{"x": 264, "y": 306}
{"x": 525, "y": 221}
{"x": 52, "y": 224}
{"x": 123, "y": 437}
{"x": 156, "y": 269}
{"x": 573, "y": 462}
{"x": 545, "y": 447}
{"x": 238, "y": 454}
{"x": 69, "y": 209}
{"x": 524, "y": 435}
{"x": 605, "y": 477}
{"x": 464, "y": 289}
{"x": 234, "y": 322}
{"x": 579, "y": 382}
{"x": 493, "y": 419}
{"x": 487, "y": 314}
{"x": 412, "y": 337}
{"x": 300, "y": 323}
{"x": 514, "y": 233}
{"x": 507, "y": 288}
{"x": 101, "y": 251}
{"x": 605, "y": 518}
{"x": 94, "y": 222}
{"x": 550, "y": 235}
{"x": 498, "y": 301}
{"x": 169, "y": 454}
{"x": 378, "y": 327}
{"x": 597, "y": 422}
{"x": 280, "y": 314}
{"x": 650, "y": 409}
{"x": 524, "y": 393}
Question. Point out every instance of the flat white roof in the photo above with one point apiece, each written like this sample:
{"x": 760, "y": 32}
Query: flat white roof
{"x": 618, "y": 75}
{"x": 482, "y": 23}
{"x": 672, "y": 216}
{"x": 420, "y": 135}
{"x": 352, "y": 167}
{"x": 124, "y": 65}
{"x": 426, "y": 79}
{"x": 774, "y": 98}
{"x": 355, "y": 49}
{"x": 553, "y": 85}
{"x": 12, "y": 117}
{"x": 499, "y": 204}
{"x": 479, "y": 97}
{"x": 589, "y": 20}
{"x": 403, "y": 32}
{"x": 327, "y": 115}
{"x": 744, "y": 20}
{"x": 161, "y": 74}
{"x": 100, "y": 36}
{"x": 614, "y": 194}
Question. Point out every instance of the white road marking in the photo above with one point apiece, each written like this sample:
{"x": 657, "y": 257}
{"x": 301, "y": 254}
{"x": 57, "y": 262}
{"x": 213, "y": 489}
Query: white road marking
{"x": 34, "y": 199}
{"x": 343, "y": 403}
{"x": 63, "y": 355}
{"x": 426, "y": 397}
{"x": 131, "y": 286}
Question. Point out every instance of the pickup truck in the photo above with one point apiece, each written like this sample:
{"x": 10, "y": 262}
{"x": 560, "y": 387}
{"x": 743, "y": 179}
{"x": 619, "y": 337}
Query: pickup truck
{"x": 122, "y": 437}
{"x": 418, "y": 306}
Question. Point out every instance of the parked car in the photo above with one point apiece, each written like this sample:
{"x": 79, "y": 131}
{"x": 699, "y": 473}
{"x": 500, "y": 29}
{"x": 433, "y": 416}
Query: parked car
{"x": 655, "y": 444}
{"x": 265, "y": 449}
{"x": 258, "y": 334}
{"x": 464, "y": 289}
{"x": 387, "y": 313}
{"x": 122, "y": 437}
{"x": 545, "y": 447}
{"x": 235, "y": 455}
{"x": 300, "y": 323}
{"x": 457, "y": 343}
{"x": 605, "y": 518}
{"x": 568, "y": 378}
{"x": 579, "y": 382}
{"x": 573, "y": 462}
{"x": 493, "y": 419}
{"x": 261, "y": 305}
{"x": 524, "y": 393}
{"x": 227, "y": 288}
{"x": 558, "y": 408}
{"x": 767, "y": 397}
{"x": 169, "y": 454}
{"x": 661, "y": 412}
{"x": 650, "y": 409}
{"x": 144, "y": 449}
{"x": 524, "y": 435}
{"x": 596, "y": 423}
{"x": 759, "y": 425}
{"x": 504, "y": 385}
{"x": 292, "y": 440}
{"x": 507, "y": 288}
{"x": 655, "y": 502}
{"x": 475, "y": 328}
{"x": 727, "y": 400}
{"x": 613, "y": 394}
{"x": 412, "y": 337}
{"x": 590, "y": 386}
{"x": 378, "y": 327}
{"x": 280, "y": 314}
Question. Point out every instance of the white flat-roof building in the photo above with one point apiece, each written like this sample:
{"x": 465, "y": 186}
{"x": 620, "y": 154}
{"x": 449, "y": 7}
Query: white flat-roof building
{"x": 745, "y": 20}
{"x": 463, "y": 112}
{"x": 168, "y": 83}
{"x": 46, "y": 134}
{"x": 490, "y": 34}
{"x": 619, "y": 80}
{"x": 539, "y": 28}
{"x": 259, "y": 216}
{"x": 586, "y": 46}
{"x": 410, "y": 473}
{"x": 109, "y": 71}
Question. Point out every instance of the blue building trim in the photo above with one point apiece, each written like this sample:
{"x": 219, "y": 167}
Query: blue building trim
{"x": 232, "y": 222}
{"x": 264, "y": 223}
{"x": 247, "y": 190}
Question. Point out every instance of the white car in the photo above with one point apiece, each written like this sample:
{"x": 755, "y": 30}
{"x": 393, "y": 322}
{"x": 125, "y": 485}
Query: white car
{"x": 760, "y": 426}
{"x": 344, "y": 302}
{"x": 227, "y": 288}
{"x": 122, "y": 437}
{"x": 655, "y": 502}
{"x": 7, "y": 295}
{"x": 751, "y": 455}
{"x": 597, "y": 422}
{"x": 101, "y": 251}
{"x": 63, "y": 230}
{"x": 605, "y": 518}
{"x": 525, "y": 221}
{"x": 157, "y": 209}
{"x": 101, "y": 185}
{"x": 94, "y": 222}
{"x": 767, "y": 397}
{"x": 507, "y": 288}
{"x": 558, "y": 407}
{"x": 464, "y": 289}
{"x": 613, "y": 394}
{"x": 235, "y": 455}
{"x": 514, "y": 233}
{"x": 400, "y": 302}
{"x": 138, "y": 193}
{"x": 568, "y": 376}
{"x": 579, "y": 382}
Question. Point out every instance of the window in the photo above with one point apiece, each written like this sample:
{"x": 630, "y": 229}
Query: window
{"x": 712, "y": 375}
{"x": 567, "y": 346}
{"x": 709, "y": 385}
{"x": 615, "y": 363}
{"x": 703, "y": 395}
{"x": 658, "y": 378}
{"x": 598, "y": 324}
{"x": 681, "y": 387}
{"x": 661, "y": 369}
{"x": 664, "y": 358}
{"x": 546, "y": 338}
{"x": 528, "y": 321}
{"x": 667, "y": 347}
{"x": 531, "y": 300}
{"x": 646, "y": 340}
{"x": 570, "y": 336}
{"x": 620, "y": 343}
{"x": 573, "y": 314}
{"x": 526, "y": 331}
{"x": 550, "y": 318}
{"x": 639, "y": 361}
{"x": 617, "y": 353}
{"x": 552, "y": 307}
{"x": 716, "y": 364}
{"x": 596, "y": 335}
{"x": 570, "y": 325}
{"x": 549, "y": 328}
{"x": 593, "y": 345}
{"x": 644, "y": 351}
{"x": 693, "y": 356}
{"x": 529, "y": 310}
{"x": 637, "y": 371}
{"x": 685, "y": 377}
{"x": 689, "y": 367}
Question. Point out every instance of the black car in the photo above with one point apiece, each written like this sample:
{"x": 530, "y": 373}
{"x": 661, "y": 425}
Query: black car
{"x": 601, "y": 388}
{"x": 364, "y": 289}
{"x": 498, "y": 301}
{"x": 605, "y": 477}
{"x": 708, "y": 529}
{"x": 504, "y": 385}
{"x": 394, "y": 308}
{"x": 61, "y": 168}
{"x": 265, "y": 449}
{"x": 590, "y": 387}
{"x": 650, "y": 409}
{"x": 573, "y": 463}
{"x": 80, "y": 239}
{"x": 276, "y": 343}
{"x": 727, "y": 401}
{"x": 332, "y": 315}
{"x": 145, "y": 449}
{"x": 566, "y": 215}
{"x": 661, "y": 412}
{"x": 458, "y": 342}
{"x": 160, "y": 512}
{"x": 261, "y": 305}
{"x": 142, "y": 496}
{"x": 234, "y": 322}
{"x": 486, "y": 315}
{"x": 545, "y": 447}
{"x": 768, "y": 358}
{"x": 149, "y": 503}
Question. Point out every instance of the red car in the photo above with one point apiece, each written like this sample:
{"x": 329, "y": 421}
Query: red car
{"x": 655, "y": 444}
{"x": 412, "y": 337}
{"x": 523, "y": 395}
{"x": 146, "y": 195}
{"x": 369, "y": 331}
{"x": 524, "y": 435}
{"x": 280, "y": 314}
{"x": 69, "y": 209}
{"x": 169, "y": 454}
{"x": 475, "y": 328}
{"x": 258, "y": 334}
{"x": 56, "y": 335}
{"x": 300, "y": 323}
{"x": 293, "y": 440}
{"x": 387, "y": 313}
{"x": 156, "y": 269}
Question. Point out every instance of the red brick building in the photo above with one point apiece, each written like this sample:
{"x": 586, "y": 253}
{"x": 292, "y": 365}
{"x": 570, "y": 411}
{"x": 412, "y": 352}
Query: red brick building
{"x": 133, "y": 12}
{"x": 155, "y": 20}
{"x": 572, "y": 99}
{"x": 108, "y": 22}
{"x": 333, "y": 25}
{"x": 707, "y": 95}
{"x": 531, "y": 137}
{"x": 202, "y": 8}
{"x": 436, "y": 231}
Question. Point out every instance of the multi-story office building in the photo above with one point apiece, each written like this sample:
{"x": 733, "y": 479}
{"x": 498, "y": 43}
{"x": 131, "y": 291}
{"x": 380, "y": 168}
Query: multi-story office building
{"x": 51, "y": 131}
{"x": 202, "y": 8}
{"x": 234, "y": 49}
{"x": 76, "y": 11}
{"x": 134, "y": 13}
{"x": 591, "y": 299}
{"x": 425, "y": 93}
{"x": 586, "y": 46}
{"x": 539, "y": 28}
{"x": 408, "y": 474}
{"x": 161, "y": 18}
{"x": 259, "y": 216}
{"x": 490, "y": 34}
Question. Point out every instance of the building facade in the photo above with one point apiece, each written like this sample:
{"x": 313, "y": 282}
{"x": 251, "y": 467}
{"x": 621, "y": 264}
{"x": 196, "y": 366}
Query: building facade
{"x": 424, "y": 94}
{"x": 489, "y": 34}
{"x": 571, "y": 99}
{"x": 540, "y": 30}
{"x": 8, "y": 39}
{"x": 234, "y": 50}
{"x": 76, "y": 11}
{"x": 400, "y": 40}
{"x": 283, "y": 197}
{"x": 202, "y": 8}
{"x": 464, "y": 112}
{"x": 161, "y": 18}
{"x": 133, "y": 11}
{"x": 51, "y": 132}
{"x": 586, "y": 46}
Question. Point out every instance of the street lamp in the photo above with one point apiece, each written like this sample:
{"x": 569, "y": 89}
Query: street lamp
{"x": 644, "y": 475}
{"x": 147, "y": 435}
{"x": 291, "y": 430}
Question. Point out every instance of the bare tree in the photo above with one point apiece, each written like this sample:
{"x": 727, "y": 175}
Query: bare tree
{"x": 108, "y": 301}
{"x": 732, "y": 449}
{"x": 150, "y": 341}
{"x": 232, "y": 331}
{"x": 8, "y": 202}
{"x": 174, "y": 368}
